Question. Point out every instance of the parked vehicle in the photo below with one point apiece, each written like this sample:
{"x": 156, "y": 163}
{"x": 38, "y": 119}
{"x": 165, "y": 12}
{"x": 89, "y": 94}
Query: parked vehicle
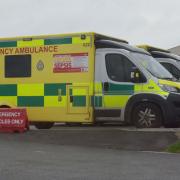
{"x": 169, "y": 60}
{"x": 86, "y": 78}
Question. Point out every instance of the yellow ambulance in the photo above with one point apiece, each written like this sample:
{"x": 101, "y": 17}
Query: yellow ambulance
{"x": 86, "y": 78}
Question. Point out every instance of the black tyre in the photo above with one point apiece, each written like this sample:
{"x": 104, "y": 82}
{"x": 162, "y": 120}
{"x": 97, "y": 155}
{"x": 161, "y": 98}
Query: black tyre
{"x": 147, "y": 115}
{"x": 44, "y": 125}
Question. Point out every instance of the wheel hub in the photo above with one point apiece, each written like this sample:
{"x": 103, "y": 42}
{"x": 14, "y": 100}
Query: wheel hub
{"x": 146, "y": 117}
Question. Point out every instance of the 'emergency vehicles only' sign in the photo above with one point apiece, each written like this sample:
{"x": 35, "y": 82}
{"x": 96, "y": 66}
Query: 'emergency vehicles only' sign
{"x": 74, "y": 62}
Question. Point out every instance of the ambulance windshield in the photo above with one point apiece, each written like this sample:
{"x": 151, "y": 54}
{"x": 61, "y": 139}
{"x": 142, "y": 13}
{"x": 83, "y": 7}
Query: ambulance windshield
{"x": 152, "y": 66}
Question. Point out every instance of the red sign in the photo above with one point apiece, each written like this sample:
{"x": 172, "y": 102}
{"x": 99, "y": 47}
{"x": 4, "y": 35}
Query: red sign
{"x": 73, "y": 62}
{"x": 13, "y": 120}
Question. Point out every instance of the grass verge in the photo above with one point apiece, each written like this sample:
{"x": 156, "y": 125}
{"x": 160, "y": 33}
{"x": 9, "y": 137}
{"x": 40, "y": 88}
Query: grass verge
{"x": 174, "y": 148}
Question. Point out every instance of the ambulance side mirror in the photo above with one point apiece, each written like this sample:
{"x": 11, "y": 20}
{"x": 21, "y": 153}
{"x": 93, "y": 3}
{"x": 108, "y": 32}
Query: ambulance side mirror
{"x": 137, "y": 76}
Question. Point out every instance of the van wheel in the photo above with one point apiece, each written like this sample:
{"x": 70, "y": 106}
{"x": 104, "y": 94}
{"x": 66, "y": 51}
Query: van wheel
{"x": 147, "y": 115}
{"x": 44, "y": 125}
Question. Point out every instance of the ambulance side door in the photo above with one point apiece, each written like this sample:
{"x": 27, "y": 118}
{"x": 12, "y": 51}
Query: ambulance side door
{"x": 113, "y": 72}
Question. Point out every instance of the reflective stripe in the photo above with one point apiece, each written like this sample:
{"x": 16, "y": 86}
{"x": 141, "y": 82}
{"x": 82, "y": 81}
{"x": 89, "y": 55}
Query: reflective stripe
{"x": 8, "y": 90}
{"x": 30, "y": 89}
{"x": 79, "y": 101}
{"x": 44, "y": 42}
{"x": 52, "y": 101}
{"x": 8, "y": 44}
{"x": 10, "y": 99}
{"x": 31, "y": 101}
{"x": 96, "y": 101}
{"x": 115, "y": 101}
{"x": 120, "y": 89}
{"x": 39, "y": 95}
{"x": 78, "y": 91}
{"x": 52, "y": 89}
{"x": 98, "y": 87}
{"x": 78, "y": 40}
{"x": 58, "y": 41}
{"x": 138, "y": 88}
{"x": 37, "y": 42}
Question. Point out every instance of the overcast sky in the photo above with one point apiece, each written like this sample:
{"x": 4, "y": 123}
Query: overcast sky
{"x": 155, "y": 22}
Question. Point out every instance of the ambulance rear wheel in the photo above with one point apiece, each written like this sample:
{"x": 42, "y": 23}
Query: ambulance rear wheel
{"x": 147, "y": 115}
{"x": 44, "y": 125}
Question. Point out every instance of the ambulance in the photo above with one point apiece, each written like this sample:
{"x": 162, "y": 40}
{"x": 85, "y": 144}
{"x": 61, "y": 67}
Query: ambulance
{"x": 86, "y": 78}
{"x": 169, "y": 60}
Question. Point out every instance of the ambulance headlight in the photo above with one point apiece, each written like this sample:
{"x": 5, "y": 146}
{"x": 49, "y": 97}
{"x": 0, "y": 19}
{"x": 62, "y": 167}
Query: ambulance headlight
{"x": 167, "y": 88}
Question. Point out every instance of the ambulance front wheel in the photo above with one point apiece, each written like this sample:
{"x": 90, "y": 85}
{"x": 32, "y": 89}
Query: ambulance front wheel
{"x": 147, "y": 115}
{"x": 44, "y": 125}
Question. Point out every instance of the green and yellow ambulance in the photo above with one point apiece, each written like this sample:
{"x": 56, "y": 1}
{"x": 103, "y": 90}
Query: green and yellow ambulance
{"x": 169, "y": 60}
{"x": 86, "y": 78}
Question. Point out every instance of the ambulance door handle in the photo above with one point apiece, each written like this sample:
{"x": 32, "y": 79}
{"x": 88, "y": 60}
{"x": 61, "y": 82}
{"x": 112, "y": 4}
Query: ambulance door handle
{"x": 59, "y": 95}
{"x": 71, "y": 99}
{"x": 106, "y": 86}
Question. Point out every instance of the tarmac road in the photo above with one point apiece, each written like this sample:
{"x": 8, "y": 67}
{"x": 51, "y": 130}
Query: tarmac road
{"x": 64, "y": 153}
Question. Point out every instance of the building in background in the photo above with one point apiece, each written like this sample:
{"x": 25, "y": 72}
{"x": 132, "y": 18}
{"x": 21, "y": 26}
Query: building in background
{"x": 175, "y": 50}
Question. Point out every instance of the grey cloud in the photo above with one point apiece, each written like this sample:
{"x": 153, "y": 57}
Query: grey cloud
{"x": 156, "y": 22}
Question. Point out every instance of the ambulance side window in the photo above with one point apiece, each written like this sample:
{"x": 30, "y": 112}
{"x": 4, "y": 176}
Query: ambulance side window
{"x": 18, "y": 66}
{"x": 119, "y": 67}
{"x": 172, "y": 69}
{"x": 167, "y": 66}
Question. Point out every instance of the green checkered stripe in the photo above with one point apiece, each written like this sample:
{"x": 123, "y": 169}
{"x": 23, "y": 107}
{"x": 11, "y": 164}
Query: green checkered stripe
{"x": 113, "y": 90}
{"x": 38, "y": 101}
{"x": 51, "y": 89}
{"x": 56, "y": 41}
